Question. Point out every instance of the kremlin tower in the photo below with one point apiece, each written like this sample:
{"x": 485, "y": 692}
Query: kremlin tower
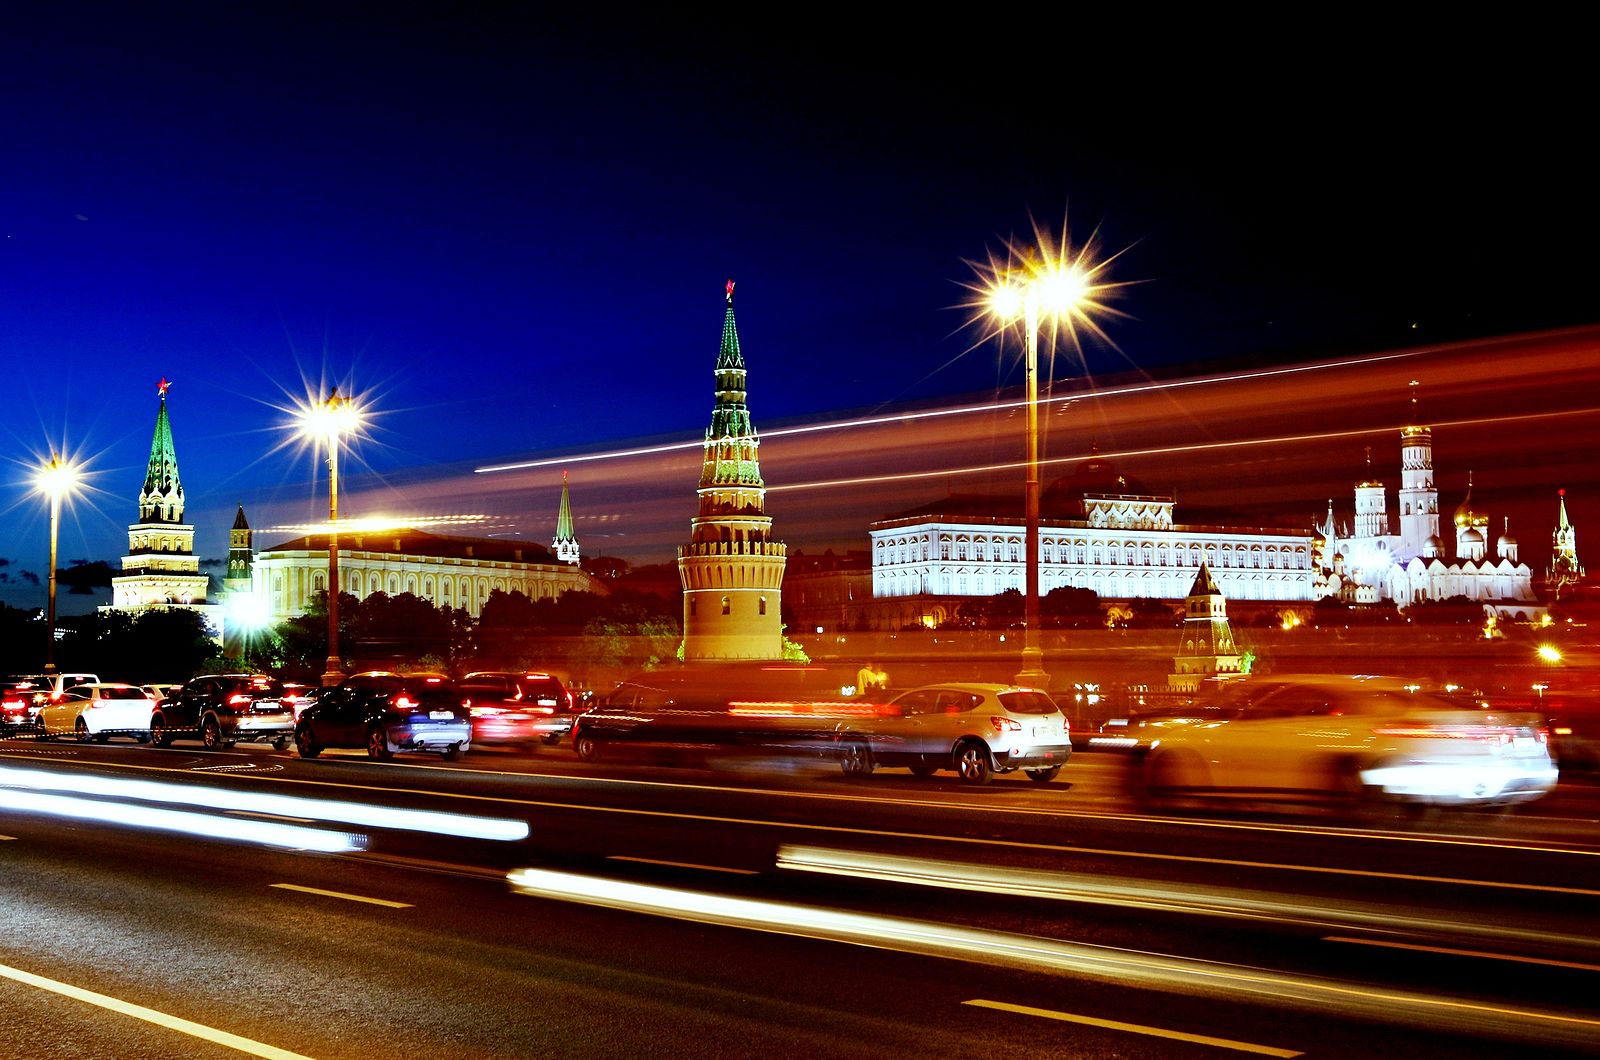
{"x": 565, "y": 544}
{"x": 161, "y": 568}
{"x": 732, "y": 569}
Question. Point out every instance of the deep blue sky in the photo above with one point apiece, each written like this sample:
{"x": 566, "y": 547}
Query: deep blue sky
{"x": 512, "y": 234}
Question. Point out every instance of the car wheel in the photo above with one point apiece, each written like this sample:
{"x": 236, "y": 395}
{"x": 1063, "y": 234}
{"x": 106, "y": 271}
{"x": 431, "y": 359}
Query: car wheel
{"x": 378, "y": 744}
{"x": 451, "y": 753}
{"x": 281, "y": 743}
{"x": 855, "y": 758}
{"x": 587, "y": 747}
{"x": 305, "y": 744}
{"x": 973, "y": 764}
{"x": 159, "y": 736}
{"x": 81, "y": 730}
{"x": 1169, "y": 772}
{"x": 924, "y": 772}
{"x": 1043, "y": 776}
{"x": 211, "y": 734}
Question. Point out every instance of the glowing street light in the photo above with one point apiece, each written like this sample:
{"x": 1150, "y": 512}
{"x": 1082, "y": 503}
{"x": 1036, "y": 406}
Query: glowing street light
{"x": 1549, "y": 653}
{"x": 328, "y": 423}
{"x": 55, "y": 479}
{"x": 1039, "y": 284}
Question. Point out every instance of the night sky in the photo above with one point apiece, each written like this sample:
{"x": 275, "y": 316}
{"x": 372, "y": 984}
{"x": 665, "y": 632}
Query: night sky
{"x": 510, "y": 236}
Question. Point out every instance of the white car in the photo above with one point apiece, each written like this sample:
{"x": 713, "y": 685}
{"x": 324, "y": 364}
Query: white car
{"x": 98, "y": 712}
{"x": 1354, "y": 738}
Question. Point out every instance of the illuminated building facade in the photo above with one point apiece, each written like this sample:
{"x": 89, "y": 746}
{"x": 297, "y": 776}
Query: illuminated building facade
{"x": 445, "y": 571}
{"x": 1098, "y": 531}
{"x": 161, "y": 569}
{"x": 1364, "y": 563}
{"x": 732, "y": 569}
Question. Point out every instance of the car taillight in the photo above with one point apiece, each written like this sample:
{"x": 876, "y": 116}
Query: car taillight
{"x": 570, "y": 700}
{"x": 1483, "y": 733}
{"x": 402, "y": 701}
{"x": 1002, "y": 723}
{"x": 238, "y": 700}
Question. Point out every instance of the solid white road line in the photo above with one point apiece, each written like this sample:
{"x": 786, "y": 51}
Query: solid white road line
{"x": 1450, "y": 952}
{"x": 270, "y": 816}
{"x": 683, "y": 865}
{"x": 149, "y": 1015}
{"x": 1135, "y": 1028}
{"x": 340, "y": 894}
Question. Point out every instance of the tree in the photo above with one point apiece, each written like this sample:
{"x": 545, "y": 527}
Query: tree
{"x": 1070, "y": 607}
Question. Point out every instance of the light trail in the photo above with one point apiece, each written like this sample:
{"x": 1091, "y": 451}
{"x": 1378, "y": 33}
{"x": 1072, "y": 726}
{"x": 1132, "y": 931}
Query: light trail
{"x": 1156, "y": 971}
{"x": 959, "y": 410}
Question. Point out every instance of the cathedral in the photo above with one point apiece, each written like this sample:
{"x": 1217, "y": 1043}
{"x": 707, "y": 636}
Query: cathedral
{"x": 1362, "y": 562}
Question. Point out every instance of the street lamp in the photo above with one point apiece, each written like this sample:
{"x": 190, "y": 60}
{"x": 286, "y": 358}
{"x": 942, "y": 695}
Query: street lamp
{"x": 55, "y": 479}
{"x": 1058, "y": 291}
{"x": 329, "y": 423}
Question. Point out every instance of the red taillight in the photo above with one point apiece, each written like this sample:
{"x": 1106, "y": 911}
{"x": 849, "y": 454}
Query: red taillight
{"x": 401, "y": 701}
{"x": 1483, "y": 733}
{"x": 1002, "y": 723}
{"x": 238, "y": 700}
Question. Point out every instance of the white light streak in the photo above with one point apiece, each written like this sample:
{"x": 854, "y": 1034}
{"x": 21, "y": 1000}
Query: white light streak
{"x": 266, "y": 833}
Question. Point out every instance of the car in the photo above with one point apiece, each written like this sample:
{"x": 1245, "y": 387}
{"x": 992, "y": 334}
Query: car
{"x": 18, "y": 710}
{"x": 299, "y": 697}
{"x": 387, "y": 713}
{"x": 99, "y": 711}
{"x": 1135, "y": 731}
{"x": 220, "y": 710}
{"x": 1360, "y": 739}
{"x": 518, "y": 708}
{"x": 158, "y": 692}
{"x": 975, "y": 729}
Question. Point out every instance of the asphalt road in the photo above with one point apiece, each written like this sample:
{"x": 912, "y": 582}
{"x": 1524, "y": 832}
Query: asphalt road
{"x": 742, "y": 908}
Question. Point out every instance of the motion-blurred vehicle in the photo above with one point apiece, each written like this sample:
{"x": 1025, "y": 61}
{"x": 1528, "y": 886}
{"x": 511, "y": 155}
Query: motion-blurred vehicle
{"x": 520, "y": 709}
{"x": 977, "y": 730}
{"x": 388, "y": 713}
{"x": 1136, "y": 730}
{"x": 99, "y": 711}
{"x": 1575, "y": 738}
{"x": 1354, "y": 738}
{"x": 778, "y": 710}
{"x": 220, "y": 710}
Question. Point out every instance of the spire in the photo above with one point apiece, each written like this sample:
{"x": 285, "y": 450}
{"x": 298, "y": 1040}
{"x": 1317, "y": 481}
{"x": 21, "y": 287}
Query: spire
{"x": 161, "y": 500}
{"x": 566, "y": 539}
{"x": 728, "y": 357}
{"x": 239, "y": 521}
{"x": 731, "y": 443}
{"x": 1561, "y": 519}
{"x": 1204, "y": 585}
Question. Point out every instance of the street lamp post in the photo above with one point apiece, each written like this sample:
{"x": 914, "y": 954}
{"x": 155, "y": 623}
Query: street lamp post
{"x": 1057, "y": 290}
{"x": 55, "y": 479}
{"x": 329, "y": 423}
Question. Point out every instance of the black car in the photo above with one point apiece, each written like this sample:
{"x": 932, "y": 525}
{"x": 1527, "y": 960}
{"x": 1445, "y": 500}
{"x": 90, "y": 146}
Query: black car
{"x": 518, "y": 708}
{"x": 387, "y": 713}
{"x": 222, "y": 709}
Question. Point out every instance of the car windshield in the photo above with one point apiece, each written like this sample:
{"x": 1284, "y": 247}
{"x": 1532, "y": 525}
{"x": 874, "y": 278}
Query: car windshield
{"x": 260, "y": 687}
{"x": 1028, "y": 703}
{"x": 122, "y": 693}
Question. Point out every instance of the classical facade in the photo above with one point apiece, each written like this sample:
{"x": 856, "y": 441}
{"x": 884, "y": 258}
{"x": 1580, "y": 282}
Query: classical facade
{"x": 161, "y": 569}
{"x": 445, "y": 571}
{"x": 732, "y": 568}
{"x": 1098, "y": 532}
{"x": 1364, "y": 562}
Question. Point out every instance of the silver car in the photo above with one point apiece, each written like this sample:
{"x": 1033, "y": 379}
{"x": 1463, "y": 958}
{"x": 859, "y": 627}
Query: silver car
{"x": 976, "y": 730}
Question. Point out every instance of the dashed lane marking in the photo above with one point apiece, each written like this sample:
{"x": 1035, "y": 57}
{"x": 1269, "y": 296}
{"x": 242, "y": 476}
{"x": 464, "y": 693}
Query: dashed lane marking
{"x": 1450, "y": 952}
{"x": 1136, "y": 1028}
{"x": 683, "y": 865}
{"x": 340, "y": 894}
{"x": 150, "y": 1015}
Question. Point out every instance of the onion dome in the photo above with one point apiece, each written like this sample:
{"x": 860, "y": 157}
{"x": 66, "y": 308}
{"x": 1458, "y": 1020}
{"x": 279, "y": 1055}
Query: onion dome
{"x": 1435, "y": 546}
{"x": 1470, "y": 536}
{"x": 1506, "y": 541}
{"x": 1465, "y": 515}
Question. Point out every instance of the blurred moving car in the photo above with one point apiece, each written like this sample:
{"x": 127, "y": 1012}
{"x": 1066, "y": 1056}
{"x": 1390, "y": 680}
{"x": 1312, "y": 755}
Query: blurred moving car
{"x": 387, "y": 713}
{"x": 1354, "y": 738}
{"x": 761, "y": 710}
{"x": 220, "y": 710}
{"x": 976, "y": 730}
{"x": 1139, "y": 728}
{"x": 519, "y": 709}
{"x": 99, "y": 711}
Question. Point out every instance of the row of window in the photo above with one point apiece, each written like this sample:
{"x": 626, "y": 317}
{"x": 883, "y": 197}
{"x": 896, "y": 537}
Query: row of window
{"x": 727, "y": 605}
{"x": 1147, "y": 555}
{"x": 1159, "y": 586}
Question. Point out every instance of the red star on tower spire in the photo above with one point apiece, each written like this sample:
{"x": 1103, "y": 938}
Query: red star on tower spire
{"x": 161, "y": 387}
{"x": 730, "y": 291}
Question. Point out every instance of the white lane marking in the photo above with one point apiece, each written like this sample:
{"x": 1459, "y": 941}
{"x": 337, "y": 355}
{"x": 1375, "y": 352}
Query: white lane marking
{"x": 340, "y": 894}
{"x": 1451, "y": 952}
{"x": 150, "y": 1015}
{"x": 683, "y": 865}
{"x": 1135, "y": 1028}
{"x": 270, "y": 816}
{"x": 1009, "y": 844}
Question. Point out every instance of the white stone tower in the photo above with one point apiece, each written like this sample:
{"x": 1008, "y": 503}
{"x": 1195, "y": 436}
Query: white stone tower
{"x": 161, "y": 567}
{"x": 566, "y": 539}
{"x": 1565, "y": 571}
{"x": 1207, "y": 648}
{"x": 1419, "y": 498}
{"x": 1372, "y": 514}
{"x": 732, "y": 569}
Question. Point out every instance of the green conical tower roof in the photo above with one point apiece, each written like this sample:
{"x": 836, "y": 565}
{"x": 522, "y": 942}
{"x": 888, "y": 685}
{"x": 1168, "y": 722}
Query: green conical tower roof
{"x": 729, "y": 357}
{"x": 161, "y": 500}
{"x": 564, "y": 516}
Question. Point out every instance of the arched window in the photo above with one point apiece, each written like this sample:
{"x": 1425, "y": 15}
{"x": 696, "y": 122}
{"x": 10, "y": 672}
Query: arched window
{"x": 727, "y": 606}
{"x": 694, "y": 606}
{"x": 763, "y": 607}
